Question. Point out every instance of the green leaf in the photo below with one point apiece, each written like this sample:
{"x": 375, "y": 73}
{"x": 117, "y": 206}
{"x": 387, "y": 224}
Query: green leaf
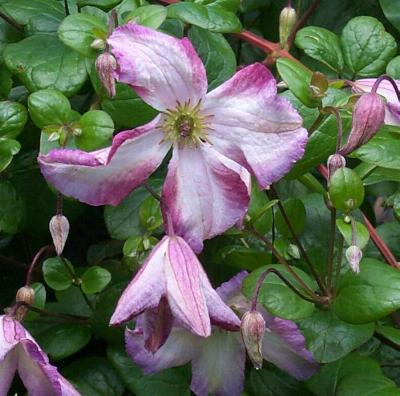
{"x": 97, "y": 130}
{"x": 7, "y": 35}
{"x": 49, "y": 107}
{"x": 151, "y": 16}
{"x": 370, "y": 295}
{"x": 8, "y": 148}
{"x": 38, "y": 302}
{"x": 13, "y": 117}
{"x": 379, "y": 175}
{"x": 382, "y": 150}
{"x": 298, "y": 79}
{"x": 56, "y": 274}
{"x": 95, "y": 279}
{"x": 229, "y": 5}
{"x": 150, "y": 214}
{"x": 216, "y": 54}
{"x": 98, "y": 3}
{"x": 214, "y": 19}
{"x": 242, "y": 257}
{"x": 390, "y": 333}
{"x": 94, "y": 376}
{"x": 78, "y": 31}
{"x": 321, "y": 44}
{"x": 353, "y": 375}
{"x": 170, "y": 382}
{"x": 296, "y": 212}
{"x": 329, "y": 338}
{"x": 260, "y": 211}
{"x": 367, "y": 48}
{"x": 63, "y": 340}
{"x": 362, "y": 234}
{"x": 276, "y": 297}
{"x": 391, "y": 9}
{"x": 393, "y": 68}
{"x": 389, "y": 232}
{"x": 12, "y": 208}
{"x": 42, "y": 61}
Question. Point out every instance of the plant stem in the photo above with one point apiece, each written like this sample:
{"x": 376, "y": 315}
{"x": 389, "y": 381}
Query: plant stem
{"x": 331, "y": 250}
{"x": 152, "y": 192}
{"x": 339, "y": 259}
{"x": 35, "y": 260}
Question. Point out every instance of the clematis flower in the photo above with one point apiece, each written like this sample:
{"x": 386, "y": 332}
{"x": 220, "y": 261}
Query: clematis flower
{"x": 217, "y": 138}
{"x": 218, "y": 362}
{"x": 385, "y": 89}
{"x": 20, "y": 352}
{"x": 172, "y": 283}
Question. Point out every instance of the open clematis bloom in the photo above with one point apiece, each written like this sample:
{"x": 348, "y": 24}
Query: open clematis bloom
{"x": 217, "y": 138}
{"x": 172, "y": 284}
{"x": 218, "y": 362}
{"x": 385, "y": 89}
{"x": 20, "y": 352}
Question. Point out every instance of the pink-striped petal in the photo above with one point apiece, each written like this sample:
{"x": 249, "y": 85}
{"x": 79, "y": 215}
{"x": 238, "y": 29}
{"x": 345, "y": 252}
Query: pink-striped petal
{"x": 160, "y": 68}
{"x": 107, "y": 176}
{"x": 8, "y": 367}
{"x": 255, "y": 127}
{"x": 146, "y": 288}
{"x": 205, "y": 194}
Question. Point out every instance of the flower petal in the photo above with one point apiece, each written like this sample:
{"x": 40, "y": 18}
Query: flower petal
{"x": 11, "y": 331}
{"x": 253, "y": 126}
{"x": 218, "y": 367}
{"x": 162, "y": 69}
{"x": 107, "y": 176}
{"x": 284, "y": 346}
{"x": 177, "y": 351}
{"x": 146, "y": 288}
{"x": 205, "y": 194}
{"x": 185, "y": 294}
{"x": 232, "y": 287}
{"x": 8, "y": 366}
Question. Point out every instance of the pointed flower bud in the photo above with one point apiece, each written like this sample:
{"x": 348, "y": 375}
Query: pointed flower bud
{"x": 252, "y": 329}
{"x": 59, "y": 230}
{"x": 335, "y": 162}
{"x": 287, "y": 19}
{"x": 368, "y": 117}
{"x": 26, "y": 295}
{"x": 105, "y": 66}
{"x": 354, "y": 256}
{"x": 98, "y": 44}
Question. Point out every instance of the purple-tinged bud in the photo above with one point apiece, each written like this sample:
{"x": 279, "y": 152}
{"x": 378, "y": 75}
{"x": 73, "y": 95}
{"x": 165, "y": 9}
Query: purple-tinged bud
{"x": 59, "y": 230}
{"x": 368, "y": 117}
{"x": 287, "y": 19}
{"x": 335, "y": 162}
{"x": 252, "y": 329}
{"x": 105, "y": 66}
{"x": 354, "y": 256}
{"x": 24, "y": 295}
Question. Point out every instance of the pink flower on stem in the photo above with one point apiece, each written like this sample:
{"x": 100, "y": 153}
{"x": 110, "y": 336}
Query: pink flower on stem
{"x": 172, "y": 284}
{"x": 218, "y": 362}
{"x": 20, "y": 352}
{"x": 218, "y": 138}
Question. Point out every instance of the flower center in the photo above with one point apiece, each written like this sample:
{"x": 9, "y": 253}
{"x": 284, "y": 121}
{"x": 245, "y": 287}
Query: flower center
{"x": 185, "y": 125}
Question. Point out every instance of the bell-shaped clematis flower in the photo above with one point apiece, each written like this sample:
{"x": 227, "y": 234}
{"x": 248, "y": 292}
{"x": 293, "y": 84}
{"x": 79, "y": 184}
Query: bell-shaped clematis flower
{"x": 385, "y": 89}
{"x": 172, "y": 284}
{"x": 217, "y": 138}
{"x": 218, "y": 362}
{"x": 20, "y": 352}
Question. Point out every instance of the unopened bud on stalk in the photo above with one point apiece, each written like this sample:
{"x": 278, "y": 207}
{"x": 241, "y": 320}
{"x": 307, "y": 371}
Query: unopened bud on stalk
{"x": 354, "y": 256}
{"x": 25, "y": 295}
{"x": 98, "y": 44}
{"x": 59, "y": 230}
{"x": 252, "y": 329}
{"x": 105, "y": 66}
{"x": 368, "y": 117}
{"x": 287, "y": 19}
{"x": 335, "y": 162}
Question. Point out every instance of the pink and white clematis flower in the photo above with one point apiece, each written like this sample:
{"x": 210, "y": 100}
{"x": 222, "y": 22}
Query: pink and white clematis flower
{"x": 217, "y": 138}
{"x": 20, "y": 352}
{"x": 218, "y": 362}
{"x": 172, "y": 284}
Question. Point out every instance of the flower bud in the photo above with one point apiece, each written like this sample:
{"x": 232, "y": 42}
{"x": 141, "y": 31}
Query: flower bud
{"x": 59, "y": 230}
{"x": 335, "y": 162}
{"x": 98, "y": 44}
{"x": 368, "y": 117}
{"x": 105, "y": 66}
{"x": 287, "y": 19}
{"x": 252, "y": 329}
{"x": 26, "y": 295}
{"x": 354, "y": 256}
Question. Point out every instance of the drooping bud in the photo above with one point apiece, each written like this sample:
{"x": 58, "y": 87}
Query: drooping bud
{"x": 105, "y": 66}
{"x": 252, "y": 329}
{"x": 24, "y": 295}
{"x": 59, "y": 230}
{"x": 368, "y": 117}
{"x": 287, "y": 19}
{"x": 335, "y": 162}
{"x": 98, "y": 44}
{"x": 354, "y": 256}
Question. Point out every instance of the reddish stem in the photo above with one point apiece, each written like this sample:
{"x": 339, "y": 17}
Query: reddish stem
{"x": 39, "y": 254}
{"x": 378, "y": 241}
